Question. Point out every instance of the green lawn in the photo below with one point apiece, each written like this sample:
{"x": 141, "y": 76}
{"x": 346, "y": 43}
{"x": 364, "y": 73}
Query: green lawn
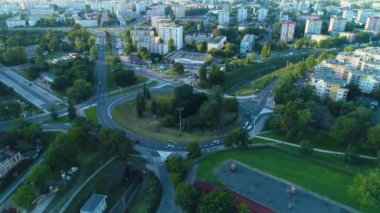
{"x": 61, "y": 119}
{"x": 110, "y": 181}
{"x": 91, "y": 114}
{"x": 125, "y": 115}
{"x": 300, "y": 171}
{"x": 250, "y": 72}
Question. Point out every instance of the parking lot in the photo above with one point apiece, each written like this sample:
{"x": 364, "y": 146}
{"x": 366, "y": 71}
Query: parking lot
{"x": 273, "y": 192}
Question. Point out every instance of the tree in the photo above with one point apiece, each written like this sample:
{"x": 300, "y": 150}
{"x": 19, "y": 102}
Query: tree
{"x": 79, "y": 44}
{"x": 178, "y": 68}
{"x": 238, "y": 137}
{"x": 219, "y": 201}
{"x": 227, "y": 67}
{"x": 343, "y": 129}
{"x": 202, "y": 47}
{"x": 194, "y": 150}
{"x": 251, "y": 57}
{"x": 310, "y": 62}
{"x": 353, "y": 92}
{"x": 115, "y": 142}
{"x": 146, "y": 92}
{"x": 265, "y": 51}
{"x": 71, "y": 112}
{"x": 176, "y": 166}
{"x": 24, "y": 197}
{"x": 350, "y": 156}
{"x": 124, "y": 77}
{"x": 94, "y": 51}
{"x": 373, "y": 135}
{"x": 153, "y": 107}
{"x": 202, "y": 73}
{"x": 231, "y": 105}
{"x": 242, "y": 208}
{"x": 306, "y": 148}
{"x": 366, "y": 188}
{"x": 39, "y": 178}
{"x": 216, "y": 77}
{"x": 81, "y": 91}
{"x": 171, "y": 46}
{"x": 15, "y": 56}
{"x": 187, "y": 197}
{"x": 349, "y": 48}
{"x": 140, "y": 105}
{"x": 299, "y": 43}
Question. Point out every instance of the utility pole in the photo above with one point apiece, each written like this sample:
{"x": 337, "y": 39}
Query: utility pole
{"x": 180, "y": 109}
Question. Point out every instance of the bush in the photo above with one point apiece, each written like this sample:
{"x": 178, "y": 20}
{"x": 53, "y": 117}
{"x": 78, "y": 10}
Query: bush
{"x": 306, "y": 148}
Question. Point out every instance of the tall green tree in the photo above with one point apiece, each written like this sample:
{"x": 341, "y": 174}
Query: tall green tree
{"x": 373, "y": 136}
{"x": 140, "y": 105}
{"x": 220, "y": 201}
{"x": 171, "y": 46}
{"x": 71, "y": 112}
{"x": 202, "y": 73}
{"x": 24, "y": 197}
{"x": 366, "y": 188}
{"x": 265, "y": 51}
{"x": 178, "y": 68}
{"x": 187, "y": 197}
{"x": 194, "y": 150}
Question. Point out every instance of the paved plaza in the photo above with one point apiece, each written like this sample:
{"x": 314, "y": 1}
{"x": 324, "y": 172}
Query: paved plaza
{"x": 275, "y": 193}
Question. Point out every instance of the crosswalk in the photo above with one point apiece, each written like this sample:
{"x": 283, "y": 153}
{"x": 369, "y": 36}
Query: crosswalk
{"x": 158, "y": 158}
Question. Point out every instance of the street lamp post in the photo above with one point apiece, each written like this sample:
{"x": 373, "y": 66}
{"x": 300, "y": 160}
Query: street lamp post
{"x": 180, "y": 109}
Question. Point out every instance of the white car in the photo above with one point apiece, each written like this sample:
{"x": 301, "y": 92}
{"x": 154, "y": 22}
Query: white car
{"x": 250, "y": 127}
{"x": 245, "y": 124}
{"x": 72, "y": 170}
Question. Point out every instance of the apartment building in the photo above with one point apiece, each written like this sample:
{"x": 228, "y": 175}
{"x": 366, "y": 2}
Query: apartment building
{"x": 157, "y": 11}
{"x": 287, "y": 31}
{"x": 8, "y": 160}
{"x": 175, "y": 32}
{"x": 247, "y": 43}
{"x": 363, "y": 14}
{"x": 337, "y": 25}
{"x": 179, "y": 11}
{"x": 326, "y": 84}
{"x": 197, "y": 37}
{"x": 262, "y": 14}
{"x": 223, "y": 17}
{"x": 216, "y": 43}
{"x": 373, "y": 24}
{"x": 242, "y": 15}
{"x": 313, "y": 26}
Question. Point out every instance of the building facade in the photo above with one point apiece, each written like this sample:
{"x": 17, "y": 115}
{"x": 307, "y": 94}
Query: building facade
{"x": 179, "y": 11}
{"x": 247, "y": 43}
{"x": 216, "y": 43}
{"x": 167, "y": 32}
{"x": 287, "y": 31}
{"x": 8, "y": 160}
{"x": 241, "y": 15}
{"x": 223, "y": 17}
{"x": 337, "y": 25}
{"x": 373, "y": 24}
{"x": 262, "y": 14}
{"x": 313, "y": 26}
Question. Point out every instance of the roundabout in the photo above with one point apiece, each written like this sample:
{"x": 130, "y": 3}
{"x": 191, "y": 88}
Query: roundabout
{"x": 123, "y": 113}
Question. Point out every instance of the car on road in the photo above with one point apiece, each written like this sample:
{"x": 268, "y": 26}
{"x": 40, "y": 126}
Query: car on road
{"x": 245, "y": 124}
{"x": 250, "y": 127}
{"x": 72, "y": 170}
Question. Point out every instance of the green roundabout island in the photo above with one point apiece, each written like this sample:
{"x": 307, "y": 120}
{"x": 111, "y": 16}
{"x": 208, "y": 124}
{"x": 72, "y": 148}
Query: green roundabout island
{"x": 157, "y": 115}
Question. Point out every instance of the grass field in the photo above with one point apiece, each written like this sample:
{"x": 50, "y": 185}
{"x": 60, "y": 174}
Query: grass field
{"x": 91, "y": 114}
{"x": 305, "y": 173}
{"x": 134, "y": 88}
{"x": 110, "y": 181}
{"x": 246, "y": 74}
{"x": 125, "y": 115}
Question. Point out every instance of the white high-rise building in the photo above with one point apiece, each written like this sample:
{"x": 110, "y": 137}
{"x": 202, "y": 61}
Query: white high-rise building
{"x": 348, "y": 15}
{"x": 223, "y": 17}
{"x": 287, "y": 31}
{"x": 167, "y": 32}
{"x": 337, "y": 24}
{"x": 242, "y": 15}
{"x": 157, "y": 11}
{"x": 140, "y": 8}
{"x": 262, "y": 14}
{"x": 363, "y": 14}
{"x": 313, "y": 26}
{"x": 373, "y": 24}
{"x": 179, "y": 11}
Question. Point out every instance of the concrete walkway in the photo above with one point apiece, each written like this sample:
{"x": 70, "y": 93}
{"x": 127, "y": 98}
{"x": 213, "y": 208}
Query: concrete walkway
{"x": 316, "y": 150}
